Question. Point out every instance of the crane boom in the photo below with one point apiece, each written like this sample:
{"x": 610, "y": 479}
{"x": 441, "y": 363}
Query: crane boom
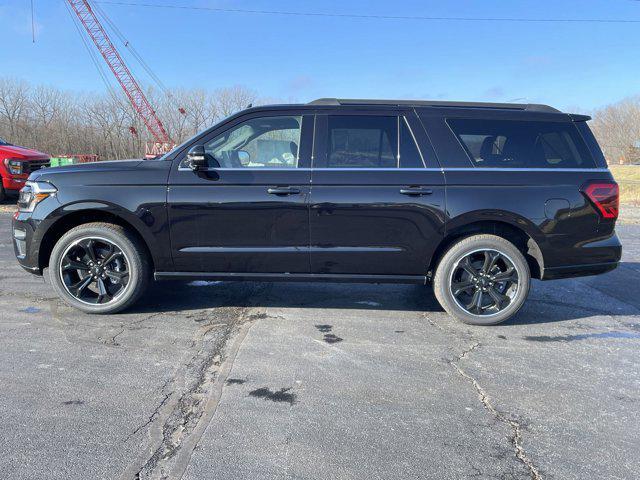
{"x": 125, "y": 78}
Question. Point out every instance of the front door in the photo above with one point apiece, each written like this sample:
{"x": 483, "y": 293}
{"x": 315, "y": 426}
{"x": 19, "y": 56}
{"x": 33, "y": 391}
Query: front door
{"x": 248, "y": 211}
{"x": 377, "y": 195}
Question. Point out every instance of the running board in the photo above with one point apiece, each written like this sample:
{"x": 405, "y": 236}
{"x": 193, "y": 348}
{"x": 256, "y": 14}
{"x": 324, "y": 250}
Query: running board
{"x": 291, "y": 277}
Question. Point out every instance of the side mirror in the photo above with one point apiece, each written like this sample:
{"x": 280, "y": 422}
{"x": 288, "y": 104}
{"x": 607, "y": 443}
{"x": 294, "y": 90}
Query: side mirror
{"x": 196, "y": 158}
{"x": 244, "y": 157}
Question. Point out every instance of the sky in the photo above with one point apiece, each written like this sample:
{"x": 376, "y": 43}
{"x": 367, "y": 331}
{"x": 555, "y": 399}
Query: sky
{"x": 571, "y": 65}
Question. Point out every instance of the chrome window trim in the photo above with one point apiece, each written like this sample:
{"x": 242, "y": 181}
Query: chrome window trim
{"x": 489, "y": 169}
{"x": 452, "y": 169}
{"x": 415, "y": 142}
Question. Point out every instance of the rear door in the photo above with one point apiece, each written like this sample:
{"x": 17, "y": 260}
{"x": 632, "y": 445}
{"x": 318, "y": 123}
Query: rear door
{"x": 248, "y": 211}
{"x": 377, "y": 197}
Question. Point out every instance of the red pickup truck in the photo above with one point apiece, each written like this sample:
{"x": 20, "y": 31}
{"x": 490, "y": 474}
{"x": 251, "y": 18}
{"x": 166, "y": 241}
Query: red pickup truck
{"x": 16, "y": 163}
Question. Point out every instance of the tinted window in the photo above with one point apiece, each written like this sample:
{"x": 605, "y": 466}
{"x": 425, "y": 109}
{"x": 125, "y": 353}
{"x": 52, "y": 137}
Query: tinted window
{"x": 366, "y": 141}
{"x": 265, "y": 142}
{"x": 362, "y": 141}
{"x": 520, "y": 144}
{"x": 592, "y": 143}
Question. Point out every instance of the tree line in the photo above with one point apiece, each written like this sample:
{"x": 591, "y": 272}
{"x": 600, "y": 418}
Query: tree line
{"x": 59, "y": 122}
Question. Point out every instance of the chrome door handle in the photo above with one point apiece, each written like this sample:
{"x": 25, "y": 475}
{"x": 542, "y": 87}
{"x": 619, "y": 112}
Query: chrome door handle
{"x": 283, "y": 191}
{"x": 416, "y": 191}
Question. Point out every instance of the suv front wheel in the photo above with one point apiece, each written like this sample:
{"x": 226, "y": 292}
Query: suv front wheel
{"x": 482, "y": 280}
{"x": 99, "y": 268}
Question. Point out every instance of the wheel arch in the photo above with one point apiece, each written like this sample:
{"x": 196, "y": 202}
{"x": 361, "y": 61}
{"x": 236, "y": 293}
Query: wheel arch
{"x": 515, "y": 233}
{"x": 82, "y": 216}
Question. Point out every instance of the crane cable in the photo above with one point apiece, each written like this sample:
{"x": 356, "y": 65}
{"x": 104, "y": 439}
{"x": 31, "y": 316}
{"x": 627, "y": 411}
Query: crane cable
{"x": 97, "y": 63}
{"x": 127, "y": 44}
{"x": 92, "y": 54}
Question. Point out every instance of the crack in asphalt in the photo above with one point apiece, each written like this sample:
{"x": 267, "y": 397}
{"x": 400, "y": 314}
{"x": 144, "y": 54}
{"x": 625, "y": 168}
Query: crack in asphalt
{"x": 152, "y": 417}
{"x": 177, "y": 424}
{"x": 112, "y": 342}
{"x": 516, "y": 438}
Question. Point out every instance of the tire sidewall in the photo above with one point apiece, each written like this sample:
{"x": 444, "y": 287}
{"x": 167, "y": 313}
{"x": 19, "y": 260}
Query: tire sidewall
{"x": 121, "y": 241}
{"x": 466, "y": 246}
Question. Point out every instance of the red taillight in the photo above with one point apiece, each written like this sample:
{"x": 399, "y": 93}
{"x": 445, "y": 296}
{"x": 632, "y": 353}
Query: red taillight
{"x": 605, "y": 197}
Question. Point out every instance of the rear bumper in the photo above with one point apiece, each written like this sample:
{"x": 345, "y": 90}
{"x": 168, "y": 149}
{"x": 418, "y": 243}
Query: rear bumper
{"x": 594, "y": 258}
{"x": 571, "y": 271}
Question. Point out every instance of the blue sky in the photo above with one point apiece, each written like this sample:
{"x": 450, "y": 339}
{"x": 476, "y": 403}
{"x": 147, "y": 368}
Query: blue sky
{"x": 577, "y": 66}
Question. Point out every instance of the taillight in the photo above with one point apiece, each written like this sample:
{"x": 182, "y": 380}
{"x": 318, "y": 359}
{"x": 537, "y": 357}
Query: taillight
{"x": 605, "y": 197}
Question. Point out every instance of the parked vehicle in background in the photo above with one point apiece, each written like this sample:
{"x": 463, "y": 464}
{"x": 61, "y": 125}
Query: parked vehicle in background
{"x": 16, "y": 163}
{"x": 475, "y": 198}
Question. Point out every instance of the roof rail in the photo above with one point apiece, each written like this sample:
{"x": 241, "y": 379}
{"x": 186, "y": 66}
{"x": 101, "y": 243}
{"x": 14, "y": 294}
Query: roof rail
{"x": 532, "y": 107}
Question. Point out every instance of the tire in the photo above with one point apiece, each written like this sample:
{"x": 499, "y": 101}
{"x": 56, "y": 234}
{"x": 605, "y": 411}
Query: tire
{"x": 501, "y": 281}
{"x": 3, "y": 195}
{"x": 77, "y": 258}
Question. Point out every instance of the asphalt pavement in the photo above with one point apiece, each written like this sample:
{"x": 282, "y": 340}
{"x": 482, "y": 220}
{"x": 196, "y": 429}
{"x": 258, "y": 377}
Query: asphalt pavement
{"x": 222, "y": 380}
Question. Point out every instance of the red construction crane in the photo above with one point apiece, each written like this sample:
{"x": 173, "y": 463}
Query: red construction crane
{"x": 125, "y": 78}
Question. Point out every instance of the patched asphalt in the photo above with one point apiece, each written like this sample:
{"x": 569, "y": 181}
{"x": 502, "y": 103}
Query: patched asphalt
{"x": 320, "y": 381}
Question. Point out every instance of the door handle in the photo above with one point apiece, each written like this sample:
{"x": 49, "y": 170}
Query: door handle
{"x": 283, "y": 191}
{"x": 416, "y": 191}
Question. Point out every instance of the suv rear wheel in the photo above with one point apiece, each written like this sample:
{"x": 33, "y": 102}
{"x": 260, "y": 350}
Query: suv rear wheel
{"x": 482, "y": 280}
{"x": 99, "y": 268}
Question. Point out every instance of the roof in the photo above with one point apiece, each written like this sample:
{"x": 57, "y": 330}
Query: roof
{"x": 531, "y": 107}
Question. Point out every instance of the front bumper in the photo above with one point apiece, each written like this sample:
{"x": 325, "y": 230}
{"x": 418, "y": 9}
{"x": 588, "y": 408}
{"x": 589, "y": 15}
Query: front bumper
{"x": 13, "y": 184}
{"x": 26, "y": 242}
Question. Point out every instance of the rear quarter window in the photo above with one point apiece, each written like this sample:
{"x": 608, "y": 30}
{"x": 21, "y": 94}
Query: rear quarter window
{"x": 521, "y": 144}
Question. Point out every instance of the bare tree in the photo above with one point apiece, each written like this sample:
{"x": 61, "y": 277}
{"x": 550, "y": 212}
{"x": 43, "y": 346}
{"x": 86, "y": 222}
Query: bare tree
{"x": 14, "y": 97}
{"x": 617, "y": 128}
{"x": 60, "y": 122}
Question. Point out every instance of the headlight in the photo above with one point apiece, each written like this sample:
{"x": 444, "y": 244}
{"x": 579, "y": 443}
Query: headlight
{"x": 33, "y": 193}
{"x": 14, "y": 166}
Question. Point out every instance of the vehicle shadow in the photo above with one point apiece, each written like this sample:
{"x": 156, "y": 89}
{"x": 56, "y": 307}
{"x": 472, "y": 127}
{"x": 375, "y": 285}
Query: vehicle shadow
{"x": 548, "y": 302}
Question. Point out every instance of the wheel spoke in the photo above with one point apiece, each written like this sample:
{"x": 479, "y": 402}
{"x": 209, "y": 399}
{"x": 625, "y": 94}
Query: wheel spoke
{"x": 499, "y": 300}
{"x": 467, "y": 267}
{"x": 111, "y": 256}
{"x": 103, "y": 294}
{"x": 77, "y": 288}
{"x": 458, "y": 287}
{"x": 490, "y": 259}
{"x": 118, "y": 277}
{"x": 476, "y": 302}
{"x": 70, "y": 264}
{"x": 87, "y": 245}
{"x": 510, "y": 275}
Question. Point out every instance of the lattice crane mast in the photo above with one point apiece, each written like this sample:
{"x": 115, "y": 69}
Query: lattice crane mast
{"x": 131, "y": 87}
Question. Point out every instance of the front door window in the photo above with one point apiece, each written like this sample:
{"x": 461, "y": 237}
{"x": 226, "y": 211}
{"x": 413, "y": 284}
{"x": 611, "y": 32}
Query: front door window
{"x": 264, "y": 142}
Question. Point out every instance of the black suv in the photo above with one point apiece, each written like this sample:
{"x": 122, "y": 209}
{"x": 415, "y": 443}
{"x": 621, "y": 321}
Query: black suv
{"x": 475, "y": 198}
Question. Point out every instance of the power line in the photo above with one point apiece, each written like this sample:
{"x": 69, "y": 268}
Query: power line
{"x": 369, "y": 17}
{"x": 127, "y": 44}
{"x": 92, "y": 54}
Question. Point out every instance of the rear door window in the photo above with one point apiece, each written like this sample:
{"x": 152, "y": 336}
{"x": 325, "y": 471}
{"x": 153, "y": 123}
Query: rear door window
{"x": 521, "y": 144}
{"x": 370, "y": 141}
{"x": 362, "y": 141}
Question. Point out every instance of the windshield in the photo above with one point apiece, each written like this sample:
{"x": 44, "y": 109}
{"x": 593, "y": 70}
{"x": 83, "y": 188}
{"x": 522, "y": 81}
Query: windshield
{"x": 3, "y": 142}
